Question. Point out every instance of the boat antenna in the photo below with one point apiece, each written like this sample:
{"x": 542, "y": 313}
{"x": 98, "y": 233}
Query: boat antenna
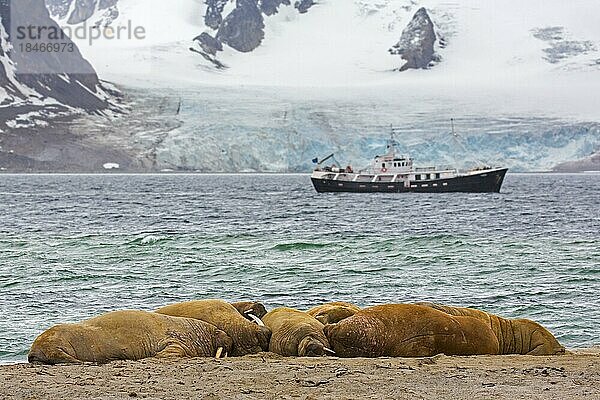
{"x": 452, "y": 122}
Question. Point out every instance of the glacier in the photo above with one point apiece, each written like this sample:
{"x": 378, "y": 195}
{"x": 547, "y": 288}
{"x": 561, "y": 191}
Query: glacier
{"x": 282, "y": 130}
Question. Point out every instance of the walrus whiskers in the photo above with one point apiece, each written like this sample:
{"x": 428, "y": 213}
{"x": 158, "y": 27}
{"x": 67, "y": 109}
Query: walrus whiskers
{"x": 219, "y": 351}
{"x": 256, "y": 319}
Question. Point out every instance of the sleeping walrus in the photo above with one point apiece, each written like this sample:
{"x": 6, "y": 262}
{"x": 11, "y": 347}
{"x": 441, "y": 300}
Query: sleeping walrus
{"x": 409, "y": 330}
{"x": 295, "y": 333}
{"x": 331, "y": 313}
{"x": 248, "y": 337}
{"x": 515, "y": 336}
{"x": 128, "y": 335}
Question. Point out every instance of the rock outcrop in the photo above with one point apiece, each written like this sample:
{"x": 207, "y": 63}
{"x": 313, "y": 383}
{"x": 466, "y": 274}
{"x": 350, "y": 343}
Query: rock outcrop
{"x": 243, "y": 28}
{"x": 417, "y": 42}
{"x": 106, "y": 11}
{"x": 303, "y": 5}
{"x": 271, "y": 7}
{"x": 561, "y": 46}
{"x": 209, "y": 44}
{"x": 214, "y": 13}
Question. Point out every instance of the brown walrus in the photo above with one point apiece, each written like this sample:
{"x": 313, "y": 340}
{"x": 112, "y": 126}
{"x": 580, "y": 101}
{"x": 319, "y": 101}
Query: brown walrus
{"x": 409, "y": 330}
{"x": 515, "y": 336}
{"x": 295, "y": 333}
{"x": 334, "y": 312}
{"x": 129, "y": 335}
{"x": 247, "y": 308}
{"x": 248, "y": 337}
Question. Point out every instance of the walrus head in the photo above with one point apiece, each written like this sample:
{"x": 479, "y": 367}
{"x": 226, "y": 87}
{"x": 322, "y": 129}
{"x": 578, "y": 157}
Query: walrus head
{"x": 52, "y": 347}
{"x": 254, "y": 318}
{"x": 250, "y": 307}
{"x": 223, "y": 344}
{"x": 541, "y": 342}
{"x": 312, "y": 347}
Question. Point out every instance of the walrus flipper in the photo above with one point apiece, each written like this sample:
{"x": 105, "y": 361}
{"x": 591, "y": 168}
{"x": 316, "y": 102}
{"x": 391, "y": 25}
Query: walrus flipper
{"x": 171, "y": 350}
{"x": 331, "y": 313}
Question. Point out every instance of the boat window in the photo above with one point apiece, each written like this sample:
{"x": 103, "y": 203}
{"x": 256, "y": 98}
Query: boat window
{"x": 427, "y": 176}
{"x": 437, "y": 176}
{"x": 417, "y": 177}
{"x": 382, "y": 165}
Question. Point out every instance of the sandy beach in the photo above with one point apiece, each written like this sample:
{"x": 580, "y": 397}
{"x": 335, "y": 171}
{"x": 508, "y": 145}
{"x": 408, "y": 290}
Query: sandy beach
{"x": 268, "y": 376}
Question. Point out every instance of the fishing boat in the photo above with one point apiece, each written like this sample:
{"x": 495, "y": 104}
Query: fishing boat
{"x": 394, "y": 173}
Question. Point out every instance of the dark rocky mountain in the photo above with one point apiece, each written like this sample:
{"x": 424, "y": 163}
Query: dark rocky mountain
{"x": 82, "y": 10}
{"x": 417, "y": 43}
{"x": 36, "y": 86}
{"x": 242, "y": 29}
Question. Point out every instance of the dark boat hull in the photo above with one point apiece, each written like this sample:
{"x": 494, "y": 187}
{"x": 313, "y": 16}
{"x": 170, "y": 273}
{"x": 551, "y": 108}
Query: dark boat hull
{"x": 484, "y": 182}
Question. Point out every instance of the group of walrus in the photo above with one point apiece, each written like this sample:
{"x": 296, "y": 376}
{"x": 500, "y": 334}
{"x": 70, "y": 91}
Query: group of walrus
{"x": 216, "y": 328}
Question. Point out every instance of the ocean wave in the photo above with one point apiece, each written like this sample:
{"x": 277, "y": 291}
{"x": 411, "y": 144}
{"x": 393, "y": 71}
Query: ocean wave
{"x": 302, "y": 246}
{"x": 148, "y": 240}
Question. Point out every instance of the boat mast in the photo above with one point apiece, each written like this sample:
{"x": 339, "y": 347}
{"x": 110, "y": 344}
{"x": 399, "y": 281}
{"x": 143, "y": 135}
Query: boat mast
{"x": 391, "y": 147}
{"x": 458, "y": 138}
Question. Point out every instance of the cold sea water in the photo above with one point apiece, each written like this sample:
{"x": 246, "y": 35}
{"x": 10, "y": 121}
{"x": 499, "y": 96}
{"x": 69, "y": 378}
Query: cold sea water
{"x": 74, "y": 246}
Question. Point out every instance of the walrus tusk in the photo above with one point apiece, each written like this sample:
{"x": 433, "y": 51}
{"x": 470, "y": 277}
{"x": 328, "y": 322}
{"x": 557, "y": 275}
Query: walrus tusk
{"x": 328, "y": 350}
{"x": 256, "y": 319}
{"x": 219, "y": 351}
{"x": 249, "y": 311}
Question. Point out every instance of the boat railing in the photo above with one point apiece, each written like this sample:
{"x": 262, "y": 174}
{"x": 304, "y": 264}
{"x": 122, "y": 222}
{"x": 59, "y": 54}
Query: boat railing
{"x": 425, "y": 169}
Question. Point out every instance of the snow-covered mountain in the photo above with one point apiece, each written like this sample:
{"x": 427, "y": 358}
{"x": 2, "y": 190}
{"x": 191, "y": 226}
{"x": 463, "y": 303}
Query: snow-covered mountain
{"x": 343, "y": 42}
{"x": 523, "y": 76}
{"x": 36, "y": 87}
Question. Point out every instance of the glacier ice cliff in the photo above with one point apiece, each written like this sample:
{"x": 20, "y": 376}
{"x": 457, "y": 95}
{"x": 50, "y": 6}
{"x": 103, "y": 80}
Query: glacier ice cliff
{"x": 271, "y": 130}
